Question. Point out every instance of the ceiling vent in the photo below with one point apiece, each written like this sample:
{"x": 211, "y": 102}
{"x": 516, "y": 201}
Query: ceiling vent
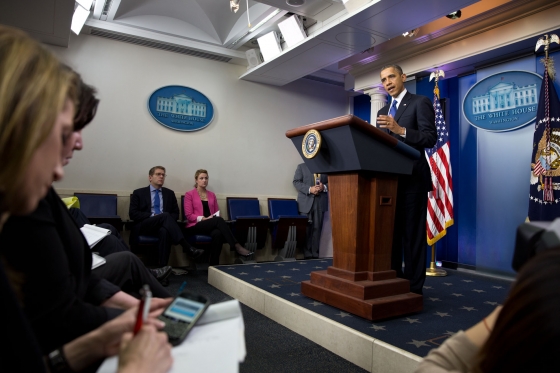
{"x": 323, "y": 80}
{"x": 157, "y": 45}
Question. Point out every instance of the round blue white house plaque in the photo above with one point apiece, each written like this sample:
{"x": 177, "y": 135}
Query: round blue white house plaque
{"x": 181, "y": 108}
{"x": 504, "y": 101}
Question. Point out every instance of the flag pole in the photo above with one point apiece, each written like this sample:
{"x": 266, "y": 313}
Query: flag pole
{"x": 433, "y": 270}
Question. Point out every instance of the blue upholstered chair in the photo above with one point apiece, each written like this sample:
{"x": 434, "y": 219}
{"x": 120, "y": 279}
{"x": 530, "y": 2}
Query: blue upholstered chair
{"x": 100, "y": 208}
{"x": 247, "y": 224}
{"x": 287, "y": 227}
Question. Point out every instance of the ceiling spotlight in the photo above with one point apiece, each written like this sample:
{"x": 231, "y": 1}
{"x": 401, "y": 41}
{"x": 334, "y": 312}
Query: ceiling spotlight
{"x": 295, "y": 3}
{"x": 454, "y": 15}
{"x": 410, "y": 33}
{"x": 234, "y": 5}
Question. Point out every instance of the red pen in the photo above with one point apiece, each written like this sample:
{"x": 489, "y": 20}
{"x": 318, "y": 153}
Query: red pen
{"x": 143, "y": 308}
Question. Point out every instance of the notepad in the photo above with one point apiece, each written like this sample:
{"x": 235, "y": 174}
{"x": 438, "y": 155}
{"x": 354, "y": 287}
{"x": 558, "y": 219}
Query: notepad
{"x": 97, "y": 261}
{"x": 94, "y": 234}
{"x": 215, "y": 344}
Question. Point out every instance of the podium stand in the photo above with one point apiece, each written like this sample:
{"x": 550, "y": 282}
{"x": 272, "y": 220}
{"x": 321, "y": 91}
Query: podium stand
{"x": 363, "y": 164}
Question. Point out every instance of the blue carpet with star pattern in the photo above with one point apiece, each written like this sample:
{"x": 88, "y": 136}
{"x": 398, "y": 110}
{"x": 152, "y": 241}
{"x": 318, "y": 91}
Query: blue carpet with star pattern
{"x": 451, "y": 303}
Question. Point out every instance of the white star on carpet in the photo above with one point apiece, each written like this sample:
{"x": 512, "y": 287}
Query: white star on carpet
{"x": 435, "y": 299}
{"x": 442, "y": 314}
{"x": 412, "y": 321}
{"x": 243, "y": 274}
{"x": 448, "y": 283}
{"x": 269, "y": 271}
{"x": 467, "y": 280}
{"x": 427, "y": 287}
{"x": 323, "y": 261}
{"x": 457, "y": 294}
{"x": 468, "y": 308}
{"x": 343, "y": 314}
{"x": 231, "y": 267}
{"x": 377, "y": 328}
{"x": 479, "y": 291}
{"x": 274, "y": 286}
{"x": 280, "y": 265}
{"x": 302, "y": 263}
{"x": 257, "y": 279}
{"x": 293, "y": 295}
{"x": 418, "y": 343}
{"x": 318, "y": 267}
{"x": 294, "y": 269}
{"x": 491, "y": 303}
{"x": 497, "y": 287}
{"x": 449, "y": 333}
{"x": 286, "y": 276}
{"x": 315, "y": 304}
{"x": 256, "y": 266}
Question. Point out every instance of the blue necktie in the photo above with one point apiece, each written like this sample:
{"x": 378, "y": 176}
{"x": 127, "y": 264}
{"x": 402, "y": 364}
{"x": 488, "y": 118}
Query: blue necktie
{"x": 157, "y": 209}
{"x": 393, "y": 110}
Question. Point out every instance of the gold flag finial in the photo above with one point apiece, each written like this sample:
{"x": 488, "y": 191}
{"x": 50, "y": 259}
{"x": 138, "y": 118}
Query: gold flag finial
{"x": 437, "y": 74}
{"x": 547, "y": 61}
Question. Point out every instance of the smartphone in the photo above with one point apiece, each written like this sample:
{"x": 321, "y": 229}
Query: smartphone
{"x": 182, "y": 314}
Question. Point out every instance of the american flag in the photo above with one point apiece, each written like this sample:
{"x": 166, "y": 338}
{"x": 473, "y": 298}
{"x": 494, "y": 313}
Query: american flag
{"x": 440, "y": 200}
{"x": 544, "y": 198}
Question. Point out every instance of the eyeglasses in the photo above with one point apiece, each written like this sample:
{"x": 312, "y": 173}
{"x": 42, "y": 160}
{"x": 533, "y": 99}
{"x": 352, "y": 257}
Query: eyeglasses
{"x": 160, "y": 174}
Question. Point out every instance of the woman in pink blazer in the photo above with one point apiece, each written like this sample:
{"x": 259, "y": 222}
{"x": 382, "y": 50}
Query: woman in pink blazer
{"x": 200, "y": 206}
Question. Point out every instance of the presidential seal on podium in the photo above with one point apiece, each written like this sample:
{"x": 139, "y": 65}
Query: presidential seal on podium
{"x": 311, "y": 144}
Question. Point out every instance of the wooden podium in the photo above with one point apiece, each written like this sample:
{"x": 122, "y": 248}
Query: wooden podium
{"x": 363, "y": 164}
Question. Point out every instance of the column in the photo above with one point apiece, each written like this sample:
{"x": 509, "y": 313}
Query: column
{"x": 378, "y": 97}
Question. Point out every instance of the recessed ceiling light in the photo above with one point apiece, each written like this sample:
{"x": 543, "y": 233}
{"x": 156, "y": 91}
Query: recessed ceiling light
{"x": 295, "y": 3}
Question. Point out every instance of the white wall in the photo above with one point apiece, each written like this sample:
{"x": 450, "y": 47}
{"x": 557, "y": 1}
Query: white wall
{"x": 244, "y": 149}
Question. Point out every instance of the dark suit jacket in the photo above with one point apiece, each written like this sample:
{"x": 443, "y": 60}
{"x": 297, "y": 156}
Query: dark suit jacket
{"x": 51, "y": 260}
{"x": 141, "y": 204}
{"x": 416, "y": 114}
{"x": 303, "y": 179}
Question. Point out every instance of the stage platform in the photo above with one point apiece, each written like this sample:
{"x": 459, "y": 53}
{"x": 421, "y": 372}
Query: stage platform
{"x": 451, "y": 303}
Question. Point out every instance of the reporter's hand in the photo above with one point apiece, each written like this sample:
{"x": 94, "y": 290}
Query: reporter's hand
{"x": 157, "y": 307}
{"x": 110, "y": 334}
{"x": 148, "y": 351}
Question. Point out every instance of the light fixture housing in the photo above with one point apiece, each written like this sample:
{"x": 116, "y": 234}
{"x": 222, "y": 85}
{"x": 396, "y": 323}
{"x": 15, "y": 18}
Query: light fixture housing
{"x": 234, "y": 5}
{"x": 292, "y": 30}
{"x": 454, "y": 15}
{"x": 81, "y": 14}
{"x": 295, "y": 3}
{"x": 410, "y": 33}
{"x": 269, "y": 45}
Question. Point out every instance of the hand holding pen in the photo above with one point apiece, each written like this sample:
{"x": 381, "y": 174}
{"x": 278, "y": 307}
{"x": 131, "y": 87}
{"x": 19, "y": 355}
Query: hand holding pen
{"x": 143, "y": 308}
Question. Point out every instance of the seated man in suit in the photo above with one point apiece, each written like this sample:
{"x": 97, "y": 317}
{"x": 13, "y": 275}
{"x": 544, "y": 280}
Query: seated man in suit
{"x": 156, "y": 210}
{"x": 312, "y": 201}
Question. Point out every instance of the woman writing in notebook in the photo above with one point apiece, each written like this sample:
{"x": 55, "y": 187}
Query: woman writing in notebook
{"x": 37, "y": 104}
{"x": 202, "y": 214}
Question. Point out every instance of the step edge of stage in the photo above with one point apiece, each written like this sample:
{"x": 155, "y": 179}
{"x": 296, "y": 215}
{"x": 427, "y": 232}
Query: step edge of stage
{"x": 367, "y": 352}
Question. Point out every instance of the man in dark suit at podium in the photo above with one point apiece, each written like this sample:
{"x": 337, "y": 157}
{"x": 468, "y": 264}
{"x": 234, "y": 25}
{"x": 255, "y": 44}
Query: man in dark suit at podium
{"x": 409, "y": 118}
{"x": 156, "y": 210}
{"x": 312, "y": 201}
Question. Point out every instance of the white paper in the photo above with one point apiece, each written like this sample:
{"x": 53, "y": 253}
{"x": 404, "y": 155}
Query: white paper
{"x": 217, "y": 213}
{"x": 97, "y": 261}
{"x": 94, "y": 234}
{"x": 217, "y": 346}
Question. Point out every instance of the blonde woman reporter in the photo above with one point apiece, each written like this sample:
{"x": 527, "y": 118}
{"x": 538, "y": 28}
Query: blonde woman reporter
{"x": 37, "y": 104}
{"x": 200, "y": 205}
